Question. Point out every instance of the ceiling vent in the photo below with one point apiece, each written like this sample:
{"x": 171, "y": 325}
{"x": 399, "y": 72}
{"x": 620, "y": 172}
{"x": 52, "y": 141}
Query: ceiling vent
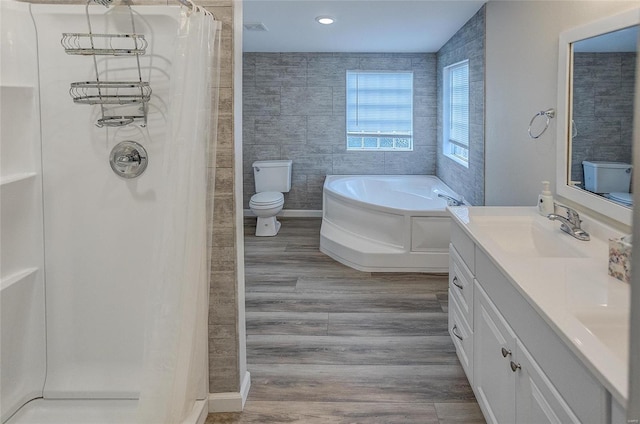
{"x": 255, "y": 26}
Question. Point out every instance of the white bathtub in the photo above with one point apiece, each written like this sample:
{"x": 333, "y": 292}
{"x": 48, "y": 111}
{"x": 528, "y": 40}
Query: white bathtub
{"x": 382, "y": 223}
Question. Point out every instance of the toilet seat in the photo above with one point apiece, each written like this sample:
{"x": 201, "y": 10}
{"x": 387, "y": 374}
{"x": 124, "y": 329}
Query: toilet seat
{"x": 266, "y": 199}
{"x": 620, "y": 197}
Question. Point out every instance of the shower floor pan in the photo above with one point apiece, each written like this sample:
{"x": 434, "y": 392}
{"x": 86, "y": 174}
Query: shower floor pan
{"x": 90, "y": 411}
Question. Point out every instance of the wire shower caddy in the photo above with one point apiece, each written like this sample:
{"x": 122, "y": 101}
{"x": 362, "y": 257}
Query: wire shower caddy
{"x": 110, "y": 93}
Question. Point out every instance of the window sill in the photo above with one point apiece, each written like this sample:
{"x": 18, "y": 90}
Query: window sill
{"x": 376, "y": 149}
{"x": 458, "y": 160}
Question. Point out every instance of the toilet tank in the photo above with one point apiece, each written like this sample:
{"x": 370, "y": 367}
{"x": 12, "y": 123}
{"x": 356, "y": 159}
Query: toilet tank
{"x": 606, "y": 177}
{"x": 272, "y": 175}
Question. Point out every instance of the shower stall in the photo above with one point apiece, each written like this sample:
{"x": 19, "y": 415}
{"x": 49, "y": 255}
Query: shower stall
{"x": 103, "y": 295}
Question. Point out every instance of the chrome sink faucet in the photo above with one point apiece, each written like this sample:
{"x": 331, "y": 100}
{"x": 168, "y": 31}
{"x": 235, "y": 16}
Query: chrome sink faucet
{"x": 451, "y": 201}
{"x": 569, "y": 224}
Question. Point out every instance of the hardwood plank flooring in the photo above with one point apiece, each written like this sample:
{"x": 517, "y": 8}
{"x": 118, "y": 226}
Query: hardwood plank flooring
{"x": 329, "y": 344}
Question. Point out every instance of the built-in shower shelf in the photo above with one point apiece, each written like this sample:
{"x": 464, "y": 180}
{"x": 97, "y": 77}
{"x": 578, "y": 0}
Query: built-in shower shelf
{"x": 26, "y": 87}
{"x": 17, "y": 277}
{"x": 88, "y": 44}
{"x": 14, "y": 178}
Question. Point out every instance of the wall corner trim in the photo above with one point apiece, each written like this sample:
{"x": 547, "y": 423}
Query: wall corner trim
{"x": 230, "y": 401}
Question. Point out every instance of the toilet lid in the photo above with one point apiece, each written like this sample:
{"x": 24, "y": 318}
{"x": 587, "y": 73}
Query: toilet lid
{"x": 622, "y": 197}
{"x": 267, "y": 198}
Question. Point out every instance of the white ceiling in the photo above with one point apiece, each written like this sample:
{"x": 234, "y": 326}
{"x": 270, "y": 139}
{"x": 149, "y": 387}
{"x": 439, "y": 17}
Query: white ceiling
{"x": 366, "y": 26}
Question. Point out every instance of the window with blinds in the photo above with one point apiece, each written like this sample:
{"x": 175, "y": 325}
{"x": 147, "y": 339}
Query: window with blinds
{"x": 379, "y": 110}
{"x": 456, "y": 112}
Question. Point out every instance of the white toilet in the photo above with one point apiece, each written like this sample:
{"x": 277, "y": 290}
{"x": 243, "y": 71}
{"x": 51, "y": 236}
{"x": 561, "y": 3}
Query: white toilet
{"x": 272, "y": 177}
{"x": 611, "y": 179}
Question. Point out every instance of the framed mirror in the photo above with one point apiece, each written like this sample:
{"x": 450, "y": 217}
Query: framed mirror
{"x": 596, "y": 80}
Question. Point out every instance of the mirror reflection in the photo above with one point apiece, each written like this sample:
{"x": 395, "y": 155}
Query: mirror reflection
{"x": 601, "y": 124}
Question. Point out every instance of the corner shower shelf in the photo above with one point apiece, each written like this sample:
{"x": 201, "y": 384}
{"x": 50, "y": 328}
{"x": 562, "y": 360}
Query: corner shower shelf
{"x": 89, "y": 44}
{"x": 21, "y": 275}
{"x": 14, "y": 178}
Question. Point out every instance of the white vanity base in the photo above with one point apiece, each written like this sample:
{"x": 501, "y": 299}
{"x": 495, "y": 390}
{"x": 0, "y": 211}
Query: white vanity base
{"x": 539, "y": 331}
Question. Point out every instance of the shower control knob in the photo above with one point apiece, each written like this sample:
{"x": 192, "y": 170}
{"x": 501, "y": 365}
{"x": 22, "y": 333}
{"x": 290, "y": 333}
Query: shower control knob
{"x": 128, "y": 159}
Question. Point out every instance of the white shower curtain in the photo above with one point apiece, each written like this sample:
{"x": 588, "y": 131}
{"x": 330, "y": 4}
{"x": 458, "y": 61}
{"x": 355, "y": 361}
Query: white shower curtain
{"x": 175, "y": 372}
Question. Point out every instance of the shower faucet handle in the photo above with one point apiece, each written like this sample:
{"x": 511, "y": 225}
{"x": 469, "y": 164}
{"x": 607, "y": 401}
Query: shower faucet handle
{"x": 129, "y": 159}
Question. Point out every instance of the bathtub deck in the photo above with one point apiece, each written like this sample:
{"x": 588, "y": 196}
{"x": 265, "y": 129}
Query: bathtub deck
{"x": 329, "y": 344}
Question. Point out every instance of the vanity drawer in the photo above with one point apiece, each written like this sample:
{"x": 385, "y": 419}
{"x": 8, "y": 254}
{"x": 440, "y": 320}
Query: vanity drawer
{"x": 462, "y": 337}
{"x": 465, "y": 246}
{"x": 461, "y": 285}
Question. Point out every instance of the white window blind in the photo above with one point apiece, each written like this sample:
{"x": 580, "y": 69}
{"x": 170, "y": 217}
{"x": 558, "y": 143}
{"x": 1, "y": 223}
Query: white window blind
{"x": 456, "y": 112}
{"x": 379, "y": 110}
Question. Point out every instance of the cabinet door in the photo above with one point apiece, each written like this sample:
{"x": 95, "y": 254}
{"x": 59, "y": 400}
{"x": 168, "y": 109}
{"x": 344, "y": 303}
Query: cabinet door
{"x": 494, "y": 380}
{"x": 537, "y": 401}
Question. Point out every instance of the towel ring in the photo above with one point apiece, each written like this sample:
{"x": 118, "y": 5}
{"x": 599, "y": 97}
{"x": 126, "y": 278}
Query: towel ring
{"x": 548, "y": 114}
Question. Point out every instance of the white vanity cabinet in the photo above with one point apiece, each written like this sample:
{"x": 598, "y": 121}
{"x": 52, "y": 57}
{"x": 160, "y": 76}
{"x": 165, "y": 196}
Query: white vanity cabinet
{"x": 494, "y": 344}
{"x": 509, "y": 384}
{"x": 537, "y": 400}
{"x": 518, "y": 367}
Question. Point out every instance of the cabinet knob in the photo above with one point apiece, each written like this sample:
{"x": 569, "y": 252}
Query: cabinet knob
{"x": 515, "y": 367}
{"x": 455, "y": 283}
{"x": 505, "y": 352}
{"x": 454, "y": 331}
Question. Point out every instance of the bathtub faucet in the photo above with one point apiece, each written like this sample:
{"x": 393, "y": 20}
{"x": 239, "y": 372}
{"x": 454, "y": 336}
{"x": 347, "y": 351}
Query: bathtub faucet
{"x": 452, "y": 201}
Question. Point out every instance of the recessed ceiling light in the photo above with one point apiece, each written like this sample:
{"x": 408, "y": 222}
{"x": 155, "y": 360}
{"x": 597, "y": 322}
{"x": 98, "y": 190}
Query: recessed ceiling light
{"x": 325, "y": 20}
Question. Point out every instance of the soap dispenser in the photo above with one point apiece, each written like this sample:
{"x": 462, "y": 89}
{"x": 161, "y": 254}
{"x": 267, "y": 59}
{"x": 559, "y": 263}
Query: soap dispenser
{"x": 545, "y": 200}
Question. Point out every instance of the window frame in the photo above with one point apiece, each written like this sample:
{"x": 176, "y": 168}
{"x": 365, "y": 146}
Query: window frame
{"x": 454, "y": 149}
{"x": 380, "y": 136}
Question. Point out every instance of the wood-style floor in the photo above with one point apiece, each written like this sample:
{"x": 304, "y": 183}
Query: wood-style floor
{"x": 329, "y": 344}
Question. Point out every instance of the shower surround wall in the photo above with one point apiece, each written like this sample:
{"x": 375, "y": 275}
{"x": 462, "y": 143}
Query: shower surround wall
{"x": 226, "y": 367}
{"x": 467, "y": 43}
{"x": 22, "y": 294}
{"x": 294, "y": 108}
{"x": 603, "y": 89}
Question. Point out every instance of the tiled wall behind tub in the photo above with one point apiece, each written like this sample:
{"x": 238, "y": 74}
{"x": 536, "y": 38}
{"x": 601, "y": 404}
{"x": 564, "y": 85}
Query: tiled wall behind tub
{"x": 294, "y": 108}
{"x": 603, "y": 89}
{"x": 467, "y": 43}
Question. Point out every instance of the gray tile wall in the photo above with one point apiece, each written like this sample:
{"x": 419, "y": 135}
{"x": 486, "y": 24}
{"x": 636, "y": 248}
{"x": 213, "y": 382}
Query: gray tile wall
{"x": 294, "y": 108}
{"x": 224, "y": 343}
{"x": 467, "y": 43}
{"x": 603, "y": 88}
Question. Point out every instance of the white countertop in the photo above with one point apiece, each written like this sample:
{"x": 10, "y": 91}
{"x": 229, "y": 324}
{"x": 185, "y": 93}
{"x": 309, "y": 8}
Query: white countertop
{"x": 564, "y": 279}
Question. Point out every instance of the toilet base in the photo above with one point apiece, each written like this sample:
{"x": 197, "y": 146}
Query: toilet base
{"x": 267, "y": 227}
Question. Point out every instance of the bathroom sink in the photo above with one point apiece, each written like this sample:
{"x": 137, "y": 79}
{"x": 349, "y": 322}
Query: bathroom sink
{"x": 611, "y": 328}
{"x": 527, "y": 237}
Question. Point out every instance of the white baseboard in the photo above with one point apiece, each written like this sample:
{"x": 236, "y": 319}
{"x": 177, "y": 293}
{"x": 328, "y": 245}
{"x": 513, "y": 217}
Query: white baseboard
{"x": 244, "y": 389}
{"x": 230, "y": 401}
{"x": 292, "y": 213}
